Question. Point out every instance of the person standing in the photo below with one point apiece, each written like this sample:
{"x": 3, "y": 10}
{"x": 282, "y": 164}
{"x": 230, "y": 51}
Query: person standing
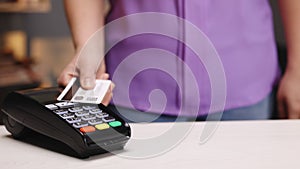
{"x": 241, "y": 32}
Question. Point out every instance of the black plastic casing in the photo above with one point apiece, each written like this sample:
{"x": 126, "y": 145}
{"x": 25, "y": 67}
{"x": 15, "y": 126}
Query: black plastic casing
{"x": 26, "y": 109}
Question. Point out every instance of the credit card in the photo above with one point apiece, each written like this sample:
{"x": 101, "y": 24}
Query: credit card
{"x": 74, "y": 93}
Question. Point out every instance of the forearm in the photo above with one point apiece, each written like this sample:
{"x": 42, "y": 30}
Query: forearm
{"x": 85, "y": 18}
{"x": 290, "y": 12}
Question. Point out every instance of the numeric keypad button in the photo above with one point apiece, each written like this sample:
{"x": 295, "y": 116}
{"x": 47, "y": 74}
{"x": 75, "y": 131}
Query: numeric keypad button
{"x": 88, "y": 107}
{"x": 95, "y": 121}
{"x": 88, "y": 117}
{"x": 101, "y": 115}
{"x": 108, "y": 119}
{"x": 51, "y": 106}
{"x": 80, "y": 124}
{"x": 66, "y": 115}
{"x": 75, "y": 109}
{"x": 73, "y": 120}
{"x": 65, "y": 104}
{"x": 95, "y": 111}
{"x": 60, "y": 111}
{"x": 82, "y": 113}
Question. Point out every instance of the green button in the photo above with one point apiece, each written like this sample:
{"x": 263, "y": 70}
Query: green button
{"x": 115, "y": 124}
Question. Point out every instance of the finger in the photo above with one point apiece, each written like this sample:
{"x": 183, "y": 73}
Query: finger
{"x": 101, "y": 72}
{"x": 65, "y": 78}
{"x": 112, "y": 86}
{"x": 104, "y": 76}
{"x": 293, "y": 112}
{"x": 89, "y": 64}
{"x": 87, "y": 73}
{"x": 68, "y": 73}
{"x": 293, "y": 115}
{"x": 281, "y": 106}
{"x": 108, "y": 96}
{"x": 87, "y": 82}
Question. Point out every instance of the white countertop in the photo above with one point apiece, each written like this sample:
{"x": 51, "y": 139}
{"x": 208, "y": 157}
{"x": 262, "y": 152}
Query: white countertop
{"x": 234, "y": 145}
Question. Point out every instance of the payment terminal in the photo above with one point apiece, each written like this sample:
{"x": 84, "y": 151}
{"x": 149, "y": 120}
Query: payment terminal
{"x": 87, "y": 129}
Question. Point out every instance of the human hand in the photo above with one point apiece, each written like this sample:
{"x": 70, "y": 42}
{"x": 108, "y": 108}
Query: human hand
{"x": 288, "y": 96}
{"x": 88, "y": 73}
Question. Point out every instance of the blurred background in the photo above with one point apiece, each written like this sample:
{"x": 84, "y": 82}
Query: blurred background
{"x": 34, "y": 35}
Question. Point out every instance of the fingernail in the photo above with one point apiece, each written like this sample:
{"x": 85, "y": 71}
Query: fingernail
{"x": 104, "y": 76}
{"x": 112, "y": 86}
{"x": 88, "y": 83}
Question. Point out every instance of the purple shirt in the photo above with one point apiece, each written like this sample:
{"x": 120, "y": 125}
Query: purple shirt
{"x": 240, "y": 30}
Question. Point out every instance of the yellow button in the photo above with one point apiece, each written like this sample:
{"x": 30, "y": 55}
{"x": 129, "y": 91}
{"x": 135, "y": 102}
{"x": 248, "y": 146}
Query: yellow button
{"x": 102, "y": 126}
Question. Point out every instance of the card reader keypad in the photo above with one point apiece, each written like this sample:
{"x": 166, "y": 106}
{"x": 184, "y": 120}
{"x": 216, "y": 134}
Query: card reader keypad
{"x": 86, "y": 118}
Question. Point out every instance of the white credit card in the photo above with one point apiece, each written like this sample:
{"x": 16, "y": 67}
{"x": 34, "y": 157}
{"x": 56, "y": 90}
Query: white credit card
{"x": 74, "y": 93}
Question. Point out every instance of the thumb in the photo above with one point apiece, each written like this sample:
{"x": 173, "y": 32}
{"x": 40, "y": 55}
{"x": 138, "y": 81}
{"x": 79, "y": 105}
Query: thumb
{"x": 87, "y": 73}
{"x": 281, "y": 106}
{"x": 87, "y": 82}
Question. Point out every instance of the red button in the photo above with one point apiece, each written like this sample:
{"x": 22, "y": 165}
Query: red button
{"x": 87, "y": 129}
